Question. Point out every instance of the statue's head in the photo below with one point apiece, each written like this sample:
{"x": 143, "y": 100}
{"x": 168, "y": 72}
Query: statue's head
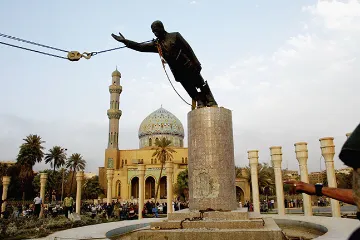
{"x": 158, "y": 29}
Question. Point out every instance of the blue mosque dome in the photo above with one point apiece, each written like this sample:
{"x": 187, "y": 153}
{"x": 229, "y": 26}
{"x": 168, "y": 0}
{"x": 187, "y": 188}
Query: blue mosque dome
{"x": 161, "y": 123}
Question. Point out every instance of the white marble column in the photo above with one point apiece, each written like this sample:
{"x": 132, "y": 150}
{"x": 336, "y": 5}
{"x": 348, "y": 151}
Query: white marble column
{"x": 276, "y": 158}
{"x": 328, "y": 151}
{"x": 302, "y": 157}
{"x": 79, "y": 179}
{"x": 141, "y": 175}
{"x": 5, "y": 183}
{"x": 253, "y": 156}
{"x": 169, "y": 185}
{"x": 110, "y": 177}
{"x": 43, "y": 179}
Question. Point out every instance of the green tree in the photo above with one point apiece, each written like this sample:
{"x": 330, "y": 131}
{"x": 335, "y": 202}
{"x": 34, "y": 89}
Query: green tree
{"x": 54, "y": 182}
{"x": 92, "y": 189}
{"x": 344, "y": 180}
{"x": 75, "y": 163}
{"x": 56, "y": 157}
{"x": 30, "y": 153}
{"x": 266, "y": 178}
{"x": 163, "y": 153}
{"x": 182, "y": 184}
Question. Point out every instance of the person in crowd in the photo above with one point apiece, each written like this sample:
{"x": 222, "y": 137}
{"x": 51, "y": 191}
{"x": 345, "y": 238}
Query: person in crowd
{"x": 37, "y": 205}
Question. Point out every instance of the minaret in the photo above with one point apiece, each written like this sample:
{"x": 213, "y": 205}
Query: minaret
{"x": 114, "y": 113}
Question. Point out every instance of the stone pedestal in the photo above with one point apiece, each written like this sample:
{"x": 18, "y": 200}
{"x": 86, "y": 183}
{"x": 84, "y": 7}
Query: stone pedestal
{"x": 328, "y": 151}
{"x": 211, "y": 159}
{"x": 79, "y": 179}
{"x": 213, "y": 212}
{"x": 43, "y": 179}
{"x": 5, "y": 183}
{"x": 253, "y": 156}
{"x": 141, "y": 175}
{"x": 169, "y": 185}
{"x": 302, "y": 156}
{"x": 276, "y": 158}
{"x": 237, "y": 224}
{"x": 110, "y": 177}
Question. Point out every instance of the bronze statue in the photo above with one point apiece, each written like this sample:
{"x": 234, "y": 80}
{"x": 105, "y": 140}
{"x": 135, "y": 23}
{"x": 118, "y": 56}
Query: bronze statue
{"x": 181, "y": 59}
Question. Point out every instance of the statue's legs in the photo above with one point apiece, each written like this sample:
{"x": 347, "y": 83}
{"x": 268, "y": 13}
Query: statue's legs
{"x": 205, "y": 90}
{"x": 193, "y": 93}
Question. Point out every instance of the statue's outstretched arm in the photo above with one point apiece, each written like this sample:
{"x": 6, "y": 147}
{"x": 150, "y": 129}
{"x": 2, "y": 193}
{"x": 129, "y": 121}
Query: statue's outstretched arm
{"x": 140, "y": 47}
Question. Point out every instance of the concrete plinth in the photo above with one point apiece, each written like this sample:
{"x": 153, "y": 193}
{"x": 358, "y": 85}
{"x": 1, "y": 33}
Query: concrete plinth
{"x": 328, "y": 151}
{"x": 302, "y": 157}
{"x": 276, "y": 158}
{"x": 5, "y": 183}
{"x": 253, "y": 156}
{"x": 211, "y": 159}
{"x": 110, "y": 177}
{"x": 43, "y": 179}
{"x": 212, "y": 229}
{"x": 79, "y": 179}
{"x": 141, "y": 175}
{"x": 169, "y": 185}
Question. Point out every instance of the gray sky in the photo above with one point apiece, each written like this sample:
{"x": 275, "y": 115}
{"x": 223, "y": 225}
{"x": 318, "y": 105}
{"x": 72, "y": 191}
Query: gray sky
{"x": 289, "y": 70}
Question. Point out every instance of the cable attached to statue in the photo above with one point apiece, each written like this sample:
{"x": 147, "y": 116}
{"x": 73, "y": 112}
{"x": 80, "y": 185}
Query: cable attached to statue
{"x": 76, "y": 56}
{"x": 163, "y": 62}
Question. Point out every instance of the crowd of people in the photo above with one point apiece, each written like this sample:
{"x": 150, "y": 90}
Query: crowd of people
{"x": 118, "y": 210}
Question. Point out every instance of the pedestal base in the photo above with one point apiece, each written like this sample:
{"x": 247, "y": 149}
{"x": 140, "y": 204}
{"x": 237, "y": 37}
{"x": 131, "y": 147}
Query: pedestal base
{"x": 211, "y": 159}
{"x": 214, "y": 225}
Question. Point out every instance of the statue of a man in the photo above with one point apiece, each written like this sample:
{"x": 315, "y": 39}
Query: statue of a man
{"x": 181, "y": 59}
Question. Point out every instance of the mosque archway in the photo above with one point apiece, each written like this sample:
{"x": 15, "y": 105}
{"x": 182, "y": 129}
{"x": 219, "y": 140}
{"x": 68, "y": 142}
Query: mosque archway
{"x": 135, "y": 187}
{"x": 239, "y": 194}
{"x": 163, "y": 189}
{"x": 149, "y": 187}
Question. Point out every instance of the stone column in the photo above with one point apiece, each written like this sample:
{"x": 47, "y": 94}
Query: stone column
{"x": 253, "y": 156}
{"x": 169, "y": 185}
{"x": 110, "y": 177}
{"x": 141, "y": 175}
{"x": 211, "y": 159}
{"x": 5, "y": 183}
{"x": 302, "y": 157}
{"x": 79, "y": 179}
{"x": 276, "y": 158}
{"x": 328, "y": 151}
{"x": 43, "y": 178}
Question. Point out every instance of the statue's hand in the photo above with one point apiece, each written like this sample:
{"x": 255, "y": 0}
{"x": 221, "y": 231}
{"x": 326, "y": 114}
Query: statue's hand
{"x": 119, "y": 38}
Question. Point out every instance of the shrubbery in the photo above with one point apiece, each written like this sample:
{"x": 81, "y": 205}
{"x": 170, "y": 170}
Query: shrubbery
{"x": 25, "y": 228}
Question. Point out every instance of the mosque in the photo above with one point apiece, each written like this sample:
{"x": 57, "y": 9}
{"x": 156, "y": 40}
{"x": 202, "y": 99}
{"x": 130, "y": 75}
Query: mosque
{"x": 159, "y": 124}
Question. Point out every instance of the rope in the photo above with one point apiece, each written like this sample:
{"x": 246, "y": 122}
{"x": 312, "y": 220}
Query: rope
{"x": 32, "y": 50}
{"x": 30, "y": 42}
{"x": 167, "y": 75}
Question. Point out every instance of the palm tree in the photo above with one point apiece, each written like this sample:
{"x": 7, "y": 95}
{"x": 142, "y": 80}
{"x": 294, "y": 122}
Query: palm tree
{"x": 266, "y": 177}
{"x": 30, "y": 153}
{"x": 75, "y": 163}
{"x": 163, "y": 152}
{"x": 56, "y": 157}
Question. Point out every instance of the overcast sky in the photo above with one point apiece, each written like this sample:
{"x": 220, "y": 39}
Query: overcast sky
{"x": 289, "y": 71}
